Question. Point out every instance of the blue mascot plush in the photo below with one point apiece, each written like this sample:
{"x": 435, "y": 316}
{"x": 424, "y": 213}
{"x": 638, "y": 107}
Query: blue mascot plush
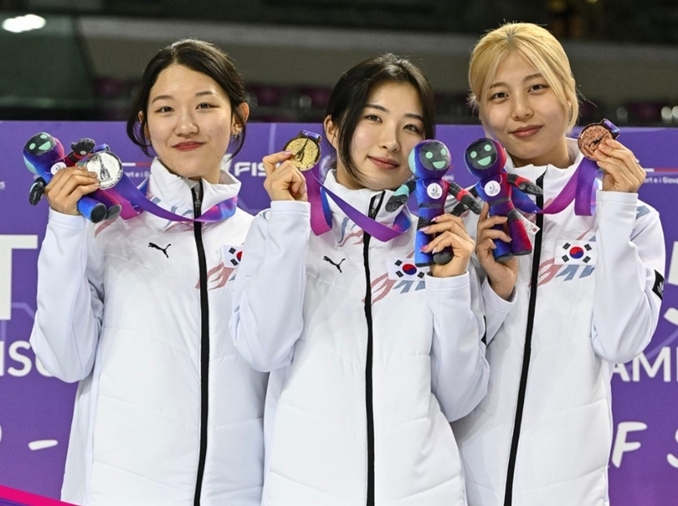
{"x": 44, "y": 155}
{"x": 485, "y": 158}
{"x": 429, "y": 162}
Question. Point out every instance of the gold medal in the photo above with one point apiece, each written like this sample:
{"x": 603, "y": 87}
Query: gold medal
{"x": 592, "y": 135}
{"x": 306, "y": 149}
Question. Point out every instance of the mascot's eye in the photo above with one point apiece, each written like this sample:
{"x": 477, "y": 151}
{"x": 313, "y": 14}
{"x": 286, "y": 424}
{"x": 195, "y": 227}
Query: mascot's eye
{"x": 487, "y": 147}
{"x": 474, "y": 155}
{"x": 429, "y": 155}
{"x": 443, "y": 152}
{"x": 43, "y": 137}
{"x": 32, "y": 146}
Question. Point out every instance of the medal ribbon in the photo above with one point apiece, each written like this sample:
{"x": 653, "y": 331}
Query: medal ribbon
{"x": 321, "y": 216}
{"x": 133, "y": 201}
{"x": 580, "y": 189}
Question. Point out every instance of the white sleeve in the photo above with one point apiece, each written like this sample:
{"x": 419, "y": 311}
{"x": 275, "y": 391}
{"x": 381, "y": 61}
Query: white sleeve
{"x": 69, "y": 298}
{"x": 630, "y": 265}
{"x": 493, "y": 306}
{"x": 495, "y": 309}
{"x": 459, "y": 370}
{"x": 269, "y": 286}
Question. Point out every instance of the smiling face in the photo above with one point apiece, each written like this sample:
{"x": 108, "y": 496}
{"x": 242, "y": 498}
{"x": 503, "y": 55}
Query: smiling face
{"x": 390, "y": 126}
{"x": 484, "y": 157}
{"x": 521, "y": 111}
{"x": 189, "y": 122}
{"x": 429, "y": 159}
{"x": 41, "y": 152}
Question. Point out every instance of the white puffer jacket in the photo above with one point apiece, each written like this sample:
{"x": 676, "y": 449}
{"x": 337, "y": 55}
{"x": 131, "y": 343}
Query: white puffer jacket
{"x": 584, "y": 301}
{"x": 368, "y": 364}
{"x": 165, "y": 406}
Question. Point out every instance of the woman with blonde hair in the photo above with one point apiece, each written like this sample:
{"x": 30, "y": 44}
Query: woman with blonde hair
{"x": 543, "y": 433}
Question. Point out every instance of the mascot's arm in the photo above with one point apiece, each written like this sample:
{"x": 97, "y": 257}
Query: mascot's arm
{"x": 459, "y": 208}
{"x": 464, "y": 197}
{"x": 400, "y": 196}
{"x": 524, "y": 184}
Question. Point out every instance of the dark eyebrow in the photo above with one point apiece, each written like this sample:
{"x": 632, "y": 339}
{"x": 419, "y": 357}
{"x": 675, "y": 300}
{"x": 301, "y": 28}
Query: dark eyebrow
{"x": 407, "y": 115}
{"x": 528, "y": 78}
{"x": 169, "y": 97}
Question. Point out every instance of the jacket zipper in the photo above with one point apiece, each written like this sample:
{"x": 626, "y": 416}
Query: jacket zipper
{"x": 204, "y": 343}
{"x": 369, "y": 408}
{"x": 534, "y": 280}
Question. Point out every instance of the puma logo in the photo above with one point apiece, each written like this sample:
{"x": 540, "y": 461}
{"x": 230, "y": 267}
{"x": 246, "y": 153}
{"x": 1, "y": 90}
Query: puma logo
{"x": 337, "y": 265}
{"x": 164, "y": 250}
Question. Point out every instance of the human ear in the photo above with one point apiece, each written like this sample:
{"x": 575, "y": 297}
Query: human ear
{"x": 238, "y": 121}
{"x": 331, "y": 131}
{"x": 147, "y": 134}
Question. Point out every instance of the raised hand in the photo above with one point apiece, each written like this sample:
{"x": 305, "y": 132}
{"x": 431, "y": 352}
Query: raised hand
{"x": 501, "y": 275}
{"x": 67, "y": 187}
{"x": 450, "y": 232}
{"x": 623, "y": 173}
{"x": 283, "y": 180}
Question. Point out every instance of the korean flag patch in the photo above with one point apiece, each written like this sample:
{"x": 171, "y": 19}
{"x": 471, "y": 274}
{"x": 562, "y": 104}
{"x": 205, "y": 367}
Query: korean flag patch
{"x": 404, "y": 268}
{"x": 231, "y": 255}
{"x": 575, "y": 253}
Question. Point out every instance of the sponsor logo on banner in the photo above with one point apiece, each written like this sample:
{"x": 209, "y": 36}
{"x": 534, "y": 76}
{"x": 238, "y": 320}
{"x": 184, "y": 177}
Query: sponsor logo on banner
{"x": 405, "y": 269}
{"x": 253, "y": 169}
{"x": 661, "y": 176}
{"x": 575, "y": 253}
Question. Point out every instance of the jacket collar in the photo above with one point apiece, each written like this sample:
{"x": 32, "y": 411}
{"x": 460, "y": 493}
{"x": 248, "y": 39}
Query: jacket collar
{"x": 360, "y": 199}
{"x": 173, "y": 192}
{"x": 552, "y": 172}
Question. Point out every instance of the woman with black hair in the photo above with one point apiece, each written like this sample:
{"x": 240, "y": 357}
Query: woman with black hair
{"x": 368, "y": 360}
{"x": 166, "y": 413}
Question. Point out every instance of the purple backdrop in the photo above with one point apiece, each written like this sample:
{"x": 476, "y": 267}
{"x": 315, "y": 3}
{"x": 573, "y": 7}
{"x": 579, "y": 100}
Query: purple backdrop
{"x": 35, "y": 410}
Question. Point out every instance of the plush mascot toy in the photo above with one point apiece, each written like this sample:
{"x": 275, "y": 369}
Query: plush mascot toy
{"x": 429, "y": 161}
{"x": 485, "y": 159}
{"x": 44, "y": 155}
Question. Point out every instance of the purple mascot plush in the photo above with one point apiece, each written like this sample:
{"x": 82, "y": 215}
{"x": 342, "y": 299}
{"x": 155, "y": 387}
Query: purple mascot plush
{"x": 44, "y": 155}
{"x": 429, "y": 161}
{"x": 485, "y": 159}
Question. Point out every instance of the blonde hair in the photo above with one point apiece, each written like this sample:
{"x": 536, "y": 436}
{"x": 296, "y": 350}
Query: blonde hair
{"x": 539, "y": 47}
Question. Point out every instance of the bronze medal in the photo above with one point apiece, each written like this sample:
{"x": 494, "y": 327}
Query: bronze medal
{"x": 592, "y": 135}
{"x": 306, "y": 149}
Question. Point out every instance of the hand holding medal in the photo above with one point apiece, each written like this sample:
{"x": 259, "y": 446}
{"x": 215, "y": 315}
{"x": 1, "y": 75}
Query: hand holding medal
{"x": 284, "y": 178}
{"x": 623, "y": 173}
{"x": 306, "y": 149}
{"x": 71, "y": 190}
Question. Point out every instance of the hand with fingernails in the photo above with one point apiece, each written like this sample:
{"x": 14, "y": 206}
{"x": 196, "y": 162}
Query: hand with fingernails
{"x": 449, "y": 231}
{"x": 623, "y": 173}
{"x": 283, "y": 180}
{"x": 502, "y": 276}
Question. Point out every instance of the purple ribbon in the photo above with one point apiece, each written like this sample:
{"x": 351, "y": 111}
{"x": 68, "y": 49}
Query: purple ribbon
{"x": 133, "y": 201}
{"x": 321, "y": 216}
{"x": 579, "y": 188}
